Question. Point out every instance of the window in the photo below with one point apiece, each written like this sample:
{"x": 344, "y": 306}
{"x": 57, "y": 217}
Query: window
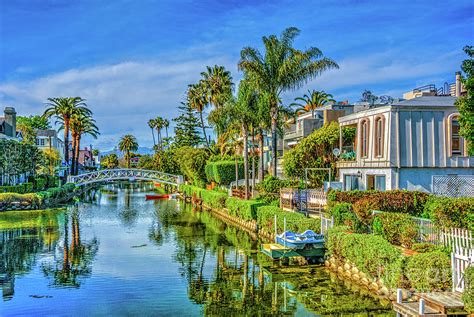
{"x": 351, "y": 182}
{"x": 376, "y": 182}
{"x": 457, "y": 142}
{"x": 379, "y": 127}
{"x": 365, "y": 138}
{"x": 41, "y": 142}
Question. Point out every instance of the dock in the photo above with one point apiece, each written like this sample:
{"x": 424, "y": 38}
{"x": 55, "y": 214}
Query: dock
{"x": 436, "y": 304}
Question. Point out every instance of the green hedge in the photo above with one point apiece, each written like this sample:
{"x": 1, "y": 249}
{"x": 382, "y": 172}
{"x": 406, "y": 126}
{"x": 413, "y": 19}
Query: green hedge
{"x": 372, "y": 254}
{"x": 214, "y": 199}
{"x": 34, "y": 199}
{"x": 273, "y": 184}
{"x": 375, "y": 256}
{"x": 19, "y": 189}
{"x": 451, "y": 212}
{"x": 223, "y": 172}
{"x": 397, "y": 228}
{"x": 429, "y": 271}
{"x": 244, "y": 209}
{"x": 295, "y": 222}
{"x": 468, "y": 295}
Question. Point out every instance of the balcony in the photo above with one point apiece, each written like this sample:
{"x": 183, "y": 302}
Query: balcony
{"x": 302, "y": 128}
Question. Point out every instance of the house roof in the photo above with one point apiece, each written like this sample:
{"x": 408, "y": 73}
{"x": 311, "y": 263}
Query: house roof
{"x": 427, "y": 101}
{"x": 46, "y": 133}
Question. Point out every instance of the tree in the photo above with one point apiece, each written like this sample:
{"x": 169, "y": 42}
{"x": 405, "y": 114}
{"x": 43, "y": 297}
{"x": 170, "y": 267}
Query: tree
{"x": 63, "y": 108}
{"x": 81, "y": 124}
{"x": 465, "y": 104}
{"x": 127, "y": 144}
{"x": 218, "y": 86}
{"x": 311, "y": 101}
{"x": 109, "y": 161}
{"x": 52, "y": 159}
{"x": 280, "y": 69}
{"x": 151, "y": 124}
{"x": 187, "y": 123}
{"x": 197, "y": 100}
{"x": 243, "y": 110}
{"x": 30, "y": 125}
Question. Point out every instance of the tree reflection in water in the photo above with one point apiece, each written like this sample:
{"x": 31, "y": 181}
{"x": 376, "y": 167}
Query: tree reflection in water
{"x": 24, "y": 235}
{"x": 77, "y": 255}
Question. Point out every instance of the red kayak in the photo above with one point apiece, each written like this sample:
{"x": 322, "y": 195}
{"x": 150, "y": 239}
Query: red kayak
{"x": 164, "y": 196}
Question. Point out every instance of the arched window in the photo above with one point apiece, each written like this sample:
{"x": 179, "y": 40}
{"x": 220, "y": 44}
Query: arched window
{"x": 457, "y": 142}
{"x": 379, "y": 131}
{"x": 364, "y": 135}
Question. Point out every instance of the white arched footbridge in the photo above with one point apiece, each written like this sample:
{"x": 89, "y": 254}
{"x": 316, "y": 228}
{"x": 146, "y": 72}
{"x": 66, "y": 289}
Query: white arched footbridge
{"x": 125, "y": 174}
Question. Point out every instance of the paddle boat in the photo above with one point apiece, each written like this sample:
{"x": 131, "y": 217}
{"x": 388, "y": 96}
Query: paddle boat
{"x": 161, "y": 196}
{"x": 307, "y": 239}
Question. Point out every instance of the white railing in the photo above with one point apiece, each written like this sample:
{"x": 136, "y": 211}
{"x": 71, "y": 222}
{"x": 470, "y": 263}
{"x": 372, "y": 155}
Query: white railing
{"x": 302, "y": 199}
{"x": 125, "y": 174}
{"x": 461, "y": 259}
{"x": 326, "y": 223}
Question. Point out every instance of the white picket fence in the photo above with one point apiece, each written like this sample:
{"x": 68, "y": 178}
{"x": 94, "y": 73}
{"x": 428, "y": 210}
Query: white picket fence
{"x": 326, "y": 223}
{"x": 461, "y": 259}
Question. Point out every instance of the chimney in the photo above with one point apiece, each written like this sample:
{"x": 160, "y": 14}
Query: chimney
{"x": 458, "y": 85}
{"x": 10, "y": 120}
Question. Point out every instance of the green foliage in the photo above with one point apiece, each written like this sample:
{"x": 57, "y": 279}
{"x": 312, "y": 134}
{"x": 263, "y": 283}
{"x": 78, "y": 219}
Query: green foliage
{"x": 186, "y": 130}
{"x": 295, "y": 222}
{"x": 465, "y": 104}
{"x": 272, "y": 184}
{"x": 214, "y": 199}
{"x": 468, "y": 295}
{"x": 19, "y": 189}
{"x": 33, "y": 199}
{"x": 344, "y": 215}
{"x": 109, "y": 161}
{"x": 451, "y": 212}
{"x": 424, "y": 247}
{"x": 397, "y": 228}
{"x": 165, "y": 161}
{"x": 244, "y": 209}
{"x": 191, "y": 162}
{"x": 145, "y": 162}
{"x": 372, "y": 254}
{"x": 429, "y": 271}
{"x": 313, "y": 151}
{"x": 223, "y": 172}
{"x": 17, "y": 159}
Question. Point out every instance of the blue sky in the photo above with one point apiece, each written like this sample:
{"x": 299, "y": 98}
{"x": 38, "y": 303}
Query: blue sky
{"x": 132, "y": 59}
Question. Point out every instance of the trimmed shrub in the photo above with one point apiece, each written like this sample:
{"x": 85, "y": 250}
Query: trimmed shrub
{"x": 223, "y": 172}
{"x": 344, "y": 215}
{"x": 404, "y": 201}
{"x": 295, "y": 222}
{"x": 468, "y": 295}
{"x": 451, "y": 212}
{"x": 429, "y": 271}
{"x": 244, "y": 209}
{"x": 273, "y": 184}
{"x": 33, "y": 199}
{"x": 397, "y": 228}
{"x": 214, "y": 199}
{"x": 372, "y": 254}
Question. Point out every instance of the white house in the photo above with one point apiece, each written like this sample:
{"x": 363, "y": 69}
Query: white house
{"x": 48, "y": 139}
{"x": 409, "y": 144}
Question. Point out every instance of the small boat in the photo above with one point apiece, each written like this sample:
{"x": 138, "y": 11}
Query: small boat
{"x": 306, "y": 239}
{"x": 162, "y": 196}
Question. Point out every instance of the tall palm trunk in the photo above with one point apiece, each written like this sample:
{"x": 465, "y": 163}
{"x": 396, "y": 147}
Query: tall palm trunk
{"x": 261, "y": 171}
{"x": 246, "y": 160}
{"x": 274, "y": 114}
{"x": 253, "y": 161}
{"x": 73, "y": 154}
{"x": 66, "y": 145}
{"x": 128, "y": 159}
{"x": 77, "y": 152}
{"x": 153, "y": 134}
{"x": 204, "y": 129}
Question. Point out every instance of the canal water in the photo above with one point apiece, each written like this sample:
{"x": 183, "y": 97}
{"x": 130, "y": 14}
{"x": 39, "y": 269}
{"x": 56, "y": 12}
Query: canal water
{"x": 119, "y": 254}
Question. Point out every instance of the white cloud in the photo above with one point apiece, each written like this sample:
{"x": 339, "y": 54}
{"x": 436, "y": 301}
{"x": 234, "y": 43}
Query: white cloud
{"x": 122, "y": 96}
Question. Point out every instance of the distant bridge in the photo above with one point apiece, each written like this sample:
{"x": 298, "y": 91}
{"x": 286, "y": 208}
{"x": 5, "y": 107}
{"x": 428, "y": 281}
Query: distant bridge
{"x": 109, "y": 175}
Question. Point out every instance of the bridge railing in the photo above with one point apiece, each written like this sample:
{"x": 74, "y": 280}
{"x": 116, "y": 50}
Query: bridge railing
{"x": 125, "y": 173}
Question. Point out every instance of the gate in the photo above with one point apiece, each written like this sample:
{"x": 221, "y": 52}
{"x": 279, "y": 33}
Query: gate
{"x": 461, "y": 259}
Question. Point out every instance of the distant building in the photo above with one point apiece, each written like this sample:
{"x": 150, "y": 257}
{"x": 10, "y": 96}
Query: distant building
{"x": 86, "y": 158}
{"x": 48, "y": 139}
{"x": 306, "y": 123}
{"x": 8, "y": 124}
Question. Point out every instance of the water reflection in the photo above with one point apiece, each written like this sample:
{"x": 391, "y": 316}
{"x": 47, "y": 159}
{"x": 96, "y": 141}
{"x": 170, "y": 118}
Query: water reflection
{"x": 154, "y": 257}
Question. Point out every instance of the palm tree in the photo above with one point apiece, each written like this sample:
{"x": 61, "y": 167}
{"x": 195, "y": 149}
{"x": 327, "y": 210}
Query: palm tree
{"x": 217, "y": 83}
{"x": 280, "y": 69}
{"x": 311, "y": 101}
{"x": 64, "y": 108}
{"x": 166, "y": 124}
{"x": 81, "y": 125}
{"x": 197, "y": 100}
{"x": 151, "y": 124}
{"x": 127, "y": 144}
{"x": 242, "y": 111}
